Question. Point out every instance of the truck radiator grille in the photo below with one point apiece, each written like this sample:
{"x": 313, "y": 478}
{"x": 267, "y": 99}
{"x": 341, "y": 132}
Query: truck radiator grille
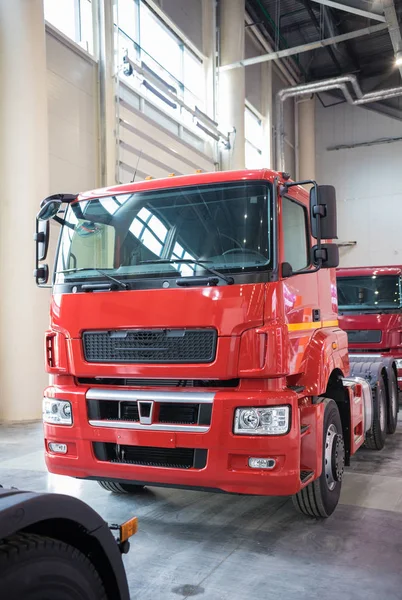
{"x": 177, "y": 413}
{"x": 149, "y": 456}
{"x": 362, "y": 336}
{"x": 150, "y": 346}
{"x": 147, "y": 383}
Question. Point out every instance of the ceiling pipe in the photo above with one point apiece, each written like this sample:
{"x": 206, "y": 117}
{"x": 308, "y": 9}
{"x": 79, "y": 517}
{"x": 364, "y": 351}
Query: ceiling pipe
{"x": 326, "y": 85}
{"x": 393, "y": 27}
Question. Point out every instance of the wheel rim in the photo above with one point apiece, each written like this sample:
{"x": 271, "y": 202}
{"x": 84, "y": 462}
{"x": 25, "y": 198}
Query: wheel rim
{"x": 334, "y": 457}
{"x": 381, "y": 409}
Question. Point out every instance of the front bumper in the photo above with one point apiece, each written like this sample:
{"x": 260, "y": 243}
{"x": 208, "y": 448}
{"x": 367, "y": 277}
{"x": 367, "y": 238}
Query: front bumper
{"x": 226, "y": 466}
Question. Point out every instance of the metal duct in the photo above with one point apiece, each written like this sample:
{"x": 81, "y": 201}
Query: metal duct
{"x": 325, "y": 85}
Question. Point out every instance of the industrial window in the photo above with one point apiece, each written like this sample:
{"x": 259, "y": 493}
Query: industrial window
{"x": 254, "y": 139}
{"x": 74, "y": 19}
{"x": 294, "y": 225}
{"x": 167, "y": 62}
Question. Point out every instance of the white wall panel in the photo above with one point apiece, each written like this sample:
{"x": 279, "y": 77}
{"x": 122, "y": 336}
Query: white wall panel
{"x": 73, "y": 116}
{"x": 157, "y": 140}
{"x": 368, "y": 181}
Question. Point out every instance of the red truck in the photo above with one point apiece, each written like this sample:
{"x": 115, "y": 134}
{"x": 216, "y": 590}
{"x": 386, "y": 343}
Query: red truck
{"x": 370, "y": 311}
{"x": 194, "y": 340}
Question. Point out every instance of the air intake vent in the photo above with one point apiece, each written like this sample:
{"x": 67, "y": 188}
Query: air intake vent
{"x": 150, "y": 346}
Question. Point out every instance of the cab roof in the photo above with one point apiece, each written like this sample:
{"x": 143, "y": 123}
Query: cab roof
{"x": 368, "y": 271}
{"x": 194, "y": 179}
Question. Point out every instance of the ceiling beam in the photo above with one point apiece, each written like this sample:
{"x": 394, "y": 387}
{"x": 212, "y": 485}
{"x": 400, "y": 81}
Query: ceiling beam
{"x": 307, "y": 6}
{"x": 305, "y": 47}
{"x": 352, "y": 9}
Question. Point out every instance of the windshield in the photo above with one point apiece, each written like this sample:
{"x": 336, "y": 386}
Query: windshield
{"x": 225, "y": 226}
{"x": 369, "y": 292}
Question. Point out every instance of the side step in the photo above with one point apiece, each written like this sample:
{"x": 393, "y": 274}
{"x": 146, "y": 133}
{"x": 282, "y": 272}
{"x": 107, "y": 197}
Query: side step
{"x": 305, "y": 476}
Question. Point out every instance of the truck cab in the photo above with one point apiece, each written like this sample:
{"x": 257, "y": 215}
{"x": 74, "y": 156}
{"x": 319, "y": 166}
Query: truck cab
{"x": 194, "y": 339}
{"x": 370, "y": 310}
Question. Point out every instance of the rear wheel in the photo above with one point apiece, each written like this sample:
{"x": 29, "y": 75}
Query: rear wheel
{"x": 34, "y": 567}
{"x": 320, "y": 497}
{"x": 393, "y": 402}
{"x": 375, "y": 438}
{"x": 120, "y": 488}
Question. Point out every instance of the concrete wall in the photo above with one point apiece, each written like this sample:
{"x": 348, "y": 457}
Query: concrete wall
{"x": 368, "y": 181}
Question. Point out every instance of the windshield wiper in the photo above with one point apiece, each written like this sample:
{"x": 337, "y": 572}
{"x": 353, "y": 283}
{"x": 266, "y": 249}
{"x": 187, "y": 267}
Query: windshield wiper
{"x": 121, "y": 284}
{"x": 189, "y": 261}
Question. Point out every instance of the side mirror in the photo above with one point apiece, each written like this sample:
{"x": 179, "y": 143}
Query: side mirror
{"x": 323, "y": 210}
{"x": 41, "y": 238}
{"x": 41, "y": 275}
{"x": 329, "y": 255}
{"x": 49, "y": 210}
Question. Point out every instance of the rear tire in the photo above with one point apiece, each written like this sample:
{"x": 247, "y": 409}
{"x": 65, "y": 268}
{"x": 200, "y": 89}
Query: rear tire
{"x": 393, "y": 402}
{"x": 320, "y": 497}
{"x": 375, "y": 438}
{"x": 35, "y": 567}
{"x": 120, "y": 488}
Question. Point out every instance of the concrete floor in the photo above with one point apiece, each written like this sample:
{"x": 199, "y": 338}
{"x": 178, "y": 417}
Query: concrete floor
{"x": 221, "y": 547}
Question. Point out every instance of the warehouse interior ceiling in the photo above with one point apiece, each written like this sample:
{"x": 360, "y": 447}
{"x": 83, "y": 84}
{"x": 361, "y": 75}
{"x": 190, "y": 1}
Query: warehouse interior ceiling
{"x": 287, "y": 24}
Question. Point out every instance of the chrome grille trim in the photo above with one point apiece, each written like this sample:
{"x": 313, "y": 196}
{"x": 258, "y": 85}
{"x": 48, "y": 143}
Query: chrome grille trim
{"x": 156, "y": 396}
{"x": 152, "y": 427}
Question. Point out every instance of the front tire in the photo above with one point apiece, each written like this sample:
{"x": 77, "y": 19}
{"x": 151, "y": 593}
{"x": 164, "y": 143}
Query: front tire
{"x": 35, "y": 567}
{"x": 375, "y": 438}
{"x": 320, "y": 497}
{"x": 120, "y": 488}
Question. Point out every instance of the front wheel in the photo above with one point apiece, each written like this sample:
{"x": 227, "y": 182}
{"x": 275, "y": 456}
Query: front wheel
{"x": 35, "y": 567}
{"x": 320, "y": 497}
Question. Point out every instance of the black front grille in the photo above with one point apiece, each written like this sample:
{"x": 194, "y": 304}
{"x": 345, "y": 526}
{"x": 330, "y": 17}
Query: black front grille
{"x": 177, "y": 413}
{"x": 146, "y": 383}
{"x": 149, "y": 456}
{"x": 150, "y": 346}
{"x": 362, "y": 336}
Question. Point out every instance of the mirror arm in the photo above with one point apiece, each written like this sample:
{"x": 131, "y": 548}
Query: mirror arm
{"x": 62, "y": 222}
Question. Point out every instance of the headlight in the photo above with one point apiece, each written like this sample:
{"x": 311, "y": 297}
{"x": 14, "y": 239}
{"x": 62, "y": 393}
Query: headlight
{"x": 57, "y": 412}
{"x": 398, "y": 363}
{"x": 262, "y": 421}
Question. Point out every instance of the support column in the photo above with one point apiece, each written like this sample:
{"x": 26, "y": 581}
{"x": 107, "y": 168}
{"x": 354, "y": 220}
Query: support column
{"x": 306, "y": 141}
{"x": 232, "y": 83}
{"x": 107, "y": 94}
{"x": 24, "y": 182}
{"x": 209, "y": 50}
{"x": 266, "y": 110}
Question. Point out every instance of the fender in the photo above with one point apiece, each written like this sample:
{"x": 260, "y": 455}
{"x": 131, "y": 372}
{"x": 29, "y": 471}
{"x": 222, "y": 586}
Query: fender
{"x": 43, "y": 514}
{"x": 369, "y": 367}
{"x": 326, "y": 352}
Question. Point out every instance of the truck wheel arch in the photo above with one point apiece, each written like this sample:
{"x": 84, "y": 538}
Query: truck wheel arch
{"x": 337, "y": 392}
{"x": 71, "y": 521}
